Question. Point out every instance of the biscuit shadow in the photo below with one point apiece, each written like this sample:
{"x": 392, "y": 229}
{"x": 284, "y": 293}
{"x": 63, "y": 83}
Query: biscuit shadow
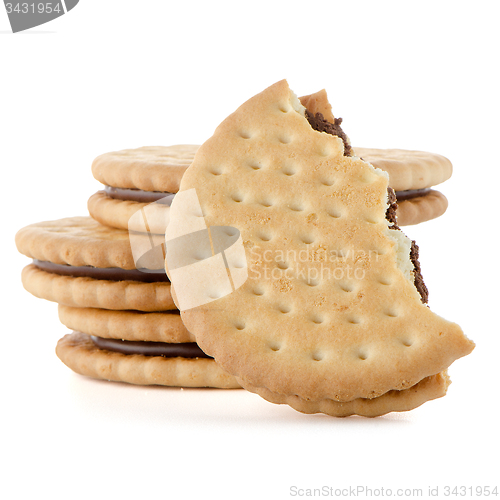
{"x": 203, "y": 406}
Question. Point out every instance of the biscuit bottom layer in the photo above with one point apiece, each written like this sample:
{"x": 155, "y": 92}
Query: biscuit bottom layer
{"x": 104, "y": 273}
{"x": 184, "y": 350}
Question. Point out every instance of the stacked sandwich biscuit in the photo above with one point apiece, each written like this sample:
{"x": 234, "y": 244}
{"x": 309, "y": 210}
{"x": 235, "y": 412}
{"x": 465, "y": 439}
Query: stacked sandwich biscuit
{"x": 107, "y": 271}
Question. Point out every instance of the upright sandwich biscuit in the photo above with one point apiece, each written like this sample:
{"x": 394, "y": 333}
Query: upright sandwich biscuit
{"x": 333, "y": 311}
{"x": 135, "y": 179}
{"x": 412, "y": 174}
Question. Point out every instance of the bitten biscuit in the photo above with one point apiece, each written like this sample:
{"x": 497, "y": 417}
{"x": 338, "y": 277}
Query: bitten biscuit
{"x": 332, "y": 309}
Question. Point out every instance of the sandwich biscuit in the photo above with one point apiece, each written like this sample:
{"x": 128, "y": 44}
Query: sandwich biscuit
{"x": 101, "y": 359}
{"x": 135, "y": 179}
{"x": 78, "y": 262}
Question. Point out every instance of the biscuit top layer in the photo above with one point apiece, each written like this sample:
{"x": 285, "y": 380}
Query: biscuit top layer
{"x": 329, "y": 309}
{"x": 77, "y": 241}
{"x": 150, "y": 168}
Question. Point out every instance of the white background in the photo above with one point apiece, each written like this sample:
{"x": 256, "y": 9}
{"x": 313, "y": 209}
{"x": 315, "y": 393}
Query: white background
{"x": 119, "y": 74}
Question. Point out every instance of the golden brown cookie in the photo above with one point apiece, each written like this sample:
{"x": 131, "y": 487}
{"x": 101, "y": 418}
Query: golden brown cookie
{"x": 78, "y": 352}
{"x": 127, "y": 325}
{"x": 332, "y": 307}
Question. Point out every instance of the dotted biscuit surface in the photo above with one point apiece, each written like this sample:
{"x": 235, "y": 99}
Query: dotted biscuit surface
{"x": 329, "y": 310}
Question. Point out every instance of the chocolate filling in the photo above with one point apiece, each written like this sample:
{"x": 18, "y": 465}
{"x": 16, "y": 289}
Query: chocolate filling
{"x": 411, "y": 193}
{"x": 103, "y": 273}
{"x": 390, "y": 213}
{"x": 139, "y": 195}
{"x": 319, "y": 123}
{"x": 185, "y": 350}
{"x": 417, "y": 274}
{"x": 418, "y": 280}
